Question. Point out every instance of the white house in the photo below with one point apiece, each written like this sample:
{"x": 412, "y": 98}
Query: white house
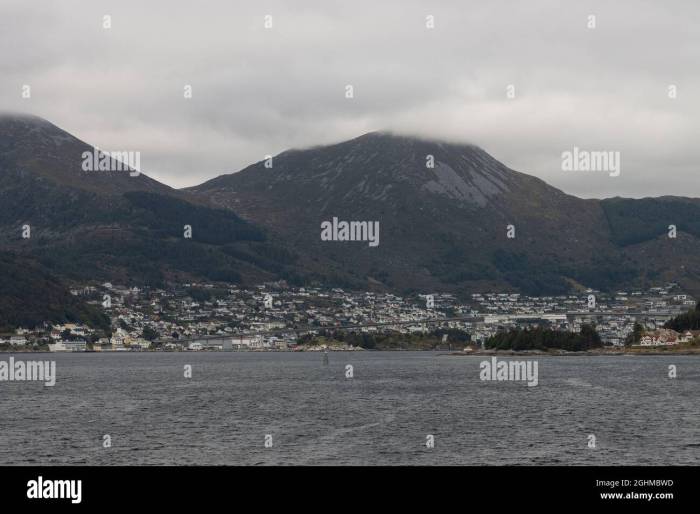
{"x": 18, "y": 340}
{"x": 68, "y": 346}
{"x": 660, "y": 338}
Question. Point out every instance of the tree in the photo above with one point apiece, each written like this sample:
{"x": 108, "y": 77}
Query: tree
{"x": 591, "y": 338}
{"x": 687, "y": 321}
{"x": 635, "y": 336}
{"x": 149, "y": 334}
{"x": 541, "y": 339}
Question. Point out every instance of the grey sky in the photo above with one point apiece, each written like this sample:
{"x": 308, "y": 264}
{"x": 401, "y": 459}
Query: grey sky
{"x": 259, "y": 91}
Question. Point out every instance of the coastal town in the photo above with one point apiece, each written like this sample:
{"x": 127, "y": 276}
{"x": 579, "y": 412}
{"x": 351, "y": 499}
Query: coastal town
{"x": 275, "y": 317}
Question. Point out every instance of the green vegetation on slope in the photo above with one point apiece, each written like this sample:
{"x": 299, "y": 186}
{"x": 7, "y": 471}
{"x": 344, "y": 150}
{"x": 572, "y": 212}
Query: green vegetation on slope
{"x": 688, "y": 321}
{"x": 637, "y": 220}
{"x": 544, "y": 339}
{"x": 29, "y": 295}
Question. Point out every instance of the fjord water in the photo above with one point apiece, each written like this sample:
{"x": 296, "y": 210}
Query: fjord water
{"x": 154, "y": 415}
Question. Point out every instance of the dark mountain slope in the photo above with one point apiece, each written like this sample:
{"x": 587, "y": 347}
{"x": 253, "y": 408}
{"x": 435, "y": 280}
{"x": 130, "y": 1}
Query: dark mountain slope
{"x": 108, "y": 225}
{"x": 31, "y": 295}
{"x": 32, "y": 145}
{"x": 444, "y": 227}
{"x": 441, "y": 227}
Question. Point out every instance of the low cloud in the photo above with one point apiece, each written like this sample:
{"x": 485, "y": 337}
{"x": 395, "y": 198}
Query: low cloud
{"x": 260, "y": 91}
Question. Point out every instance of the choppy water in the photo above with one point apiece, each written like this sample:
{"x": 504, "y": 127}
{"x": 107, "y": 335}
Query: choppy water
{"x": 381, "y": 416}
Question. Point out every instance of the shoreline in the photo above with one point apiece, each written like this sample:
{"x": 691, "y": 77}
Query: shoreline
{"x": 565, "y": 353}
{"x": 449, "y": 353}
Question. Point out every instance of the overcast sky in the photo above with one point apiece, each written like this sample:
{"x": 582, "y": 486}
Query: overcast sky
{"x": 258, "y": 91}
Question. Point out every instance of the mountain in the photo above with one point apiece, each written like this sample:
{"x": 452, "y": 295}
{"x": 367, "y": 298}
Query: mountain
{"x": 442, "y": 209}
{"x": 445, "y": 227}
{"x": 89, "y": 226}
{"x": 31, "y": 295}
{"x": 30, "y": 145}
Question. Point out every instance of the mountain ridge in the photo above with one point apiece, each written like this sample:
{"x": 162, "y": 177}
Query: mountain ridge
{"x": 364, "y": 177}
{"x": 90, "y": 226}
{"x": 444, "y": 224}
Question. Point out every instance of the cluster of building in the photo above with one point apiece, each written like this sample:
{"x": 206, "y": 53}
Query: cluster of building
{"x": 614, "y": 315}
{"x": 667, "y": 337}
{"x": 200, "y": 316}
